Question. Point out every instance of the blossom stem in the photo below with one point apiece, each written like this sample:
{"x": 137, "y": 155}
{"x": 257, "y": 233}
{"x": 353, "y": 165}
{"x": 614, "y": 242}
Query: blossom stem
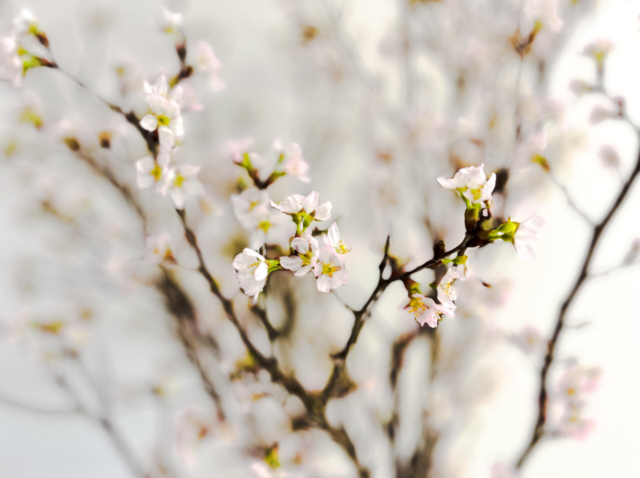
{"x": 314, "y": 404}
{"x": 384, "y": 283}
{"x": 543, "y": 394}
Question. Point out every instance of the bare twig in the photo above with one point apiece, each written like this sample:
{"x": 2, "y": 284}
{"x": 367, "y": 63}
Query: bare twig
{"x": 543, "y": 395}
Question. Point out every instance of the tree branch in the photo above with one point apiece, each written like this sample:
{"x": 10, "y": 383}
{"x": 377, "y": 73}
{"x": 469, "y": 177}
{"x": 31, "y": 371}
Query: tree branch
{"x": 543, "y": 395}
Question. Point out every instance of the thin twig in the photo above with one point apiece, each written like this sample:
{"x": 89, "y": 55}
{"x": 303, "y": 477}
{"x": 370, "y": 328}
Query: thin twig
{"x": 570, "y": 200}
{"x": 543, "y": 395}
{"x": 39, "y": 409}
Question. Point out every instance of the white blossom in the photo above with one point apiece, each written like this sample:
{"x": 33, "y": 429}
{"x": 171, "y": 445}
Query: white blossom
{"x": 237, "y": 149}
{"x": 165, "y": 112}
{"x": 446, "y": 292}
{"x": 25, "y": 22}
{"x": 526, "y": 235}
{"x": 333, "y": 239}
{"x": 182, "y": 183}
{"x": 191, "y": 428}
{"x": 171, "y": 23}
{"x": 10, "y": 63}
{"x": 298, "y": 203}
{"x": 247, "y": 204}
{"x": 289, "y": 159}
{"x": 251, "y": 272}
{"x": 152, "y": 173}
{"x": 329, "y": 270}
{"x": 254, "y": 212}
{"x": 425, "y": 310}
{"x": 472, "y": 183}
{"x": 307, "y": 250}
{"x": 160, "y": 247}
{"x": 207, "y": 63}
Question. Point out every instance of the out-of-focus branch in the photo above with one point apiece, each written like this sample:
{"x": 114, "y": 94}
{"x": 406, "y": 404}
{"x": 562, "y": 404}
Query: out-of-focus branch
{"x": 570, "y": 200}
{"x": 315, "y": 408}
{"x": 38, "y": 409}
{"x": 108, "y": 426}
{"x": 543, "y": 394}
{"x": 182, "y": 310}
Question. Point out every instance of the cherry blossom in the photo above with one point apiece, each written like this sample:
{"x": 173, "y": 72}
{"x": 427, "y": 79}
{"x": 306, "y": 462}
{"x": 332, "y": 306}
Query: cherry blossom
{"x": 191, "y": 428}
{"x": 182, "y": 182}
{"x": 526, "y": 234}
{"x": 10, "y": 63}
{"x": 251, "y": 272}
{"x": 289, "y": 159}
{"x": 25, "y": 22}
{"x": 329, "y": 270}
{"x": 333, "y": 239}
{"x": 238, "y": 148}
{"x": 165, "y": 112}
{"x": 529, "y": 339}
{"x": 207, "y": 63}
{"x": 472, "y": 184}
{"x": 152, "y": 173}
{"x": 160, "y": 247}
{"x": 446, "y": 292}
{"x": 254, "y": 212}
{"x": 303, "y": 209}
{"x": 425, "y": 310}
{"x": 573, "y": 386}
{"x": 171, "y": 23}
{"x": 307, "y": 250}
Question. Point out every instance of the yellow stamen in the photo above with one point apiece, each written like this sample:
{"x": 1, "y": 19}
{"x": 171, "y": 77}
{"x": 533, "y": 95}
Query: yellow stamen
{"x": 163, "y": 120}
{"x": 330, "y": 269}
{"x": 156, "y": 172}
{"x": 265, "y": 225}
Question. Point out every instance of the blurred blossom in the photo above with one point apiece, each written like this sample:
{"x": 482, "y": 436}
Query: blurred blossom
{"x": 182, "y": 183}
{"x": 160, "y": 247}
{"x": 528, "y": 339}
{"x": 192, "y": 429}
{"x": 171, "y": 23}
{"x": 253, "y": 209}
{"x": 10, "y": 62}
{"x": 573, "y": 389}
{"x": 206, "y": 62}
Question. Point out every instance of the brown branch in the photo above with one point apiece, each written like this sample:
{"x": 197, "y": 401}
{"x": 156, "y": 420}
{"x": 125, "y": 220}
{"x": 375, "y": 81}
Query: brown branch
{"x": 543, "y": 395}
{"x": 182, "y": 310}
{"x": 315, "y": 406}
{"x": 384, "y": 283}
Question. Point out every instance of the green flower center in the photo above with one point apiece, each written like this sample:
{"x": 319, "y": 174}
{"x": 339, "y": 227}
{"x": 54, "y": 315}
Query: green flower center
{"x": 163, "y": 120}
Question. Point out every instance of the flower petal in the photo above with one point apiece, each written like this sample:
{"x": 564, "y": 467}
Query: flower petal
{"x": 149, "y": 122}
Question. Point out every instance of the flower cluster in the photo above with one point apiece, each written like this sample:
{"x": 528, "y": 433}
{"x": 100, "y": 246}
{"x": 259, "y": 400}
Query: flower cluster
{"x": 476, "y": 191}
{"x": 178, "y": 181}
{"x": 306, "y": 254}
{"x": 265, "y": 220}
{"x": 265, "y": 169}
{"x": 574, "y": 385}
{"x": 164, "y": 117}
{"x": 426, "y": 310}
{"x": 23, "y": 48}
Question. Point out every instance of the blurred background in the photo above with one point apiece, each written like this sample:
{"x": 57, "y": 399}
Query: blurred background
{"x": 383, "y": 96}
